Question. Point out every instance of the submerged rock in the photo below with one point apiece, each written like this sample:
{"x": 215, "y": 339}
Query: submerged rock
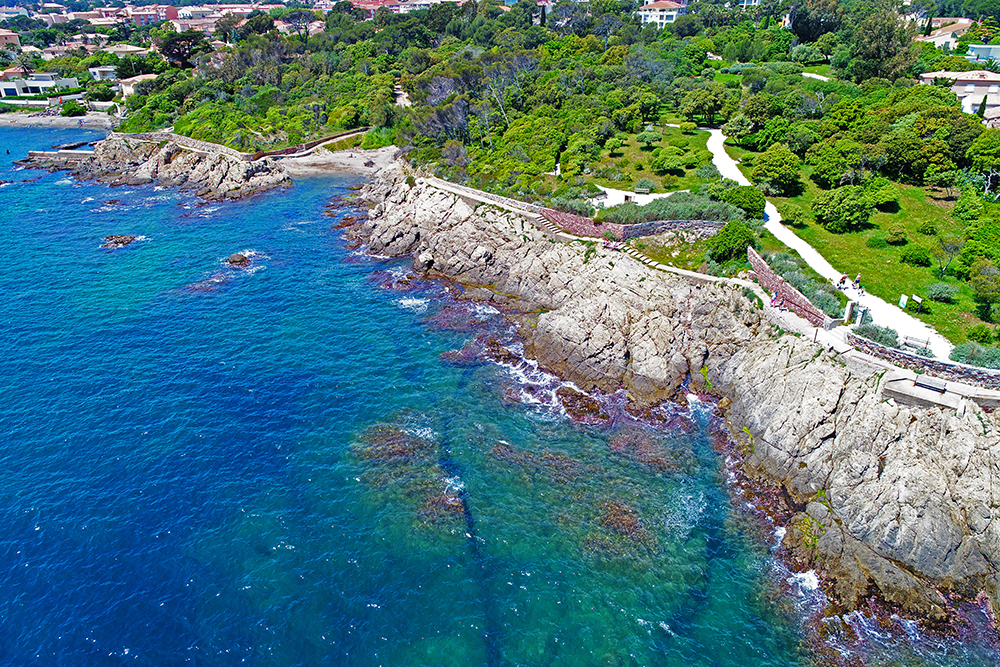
{"x": 580, "y": 406}
{"x": 238, "y": 260}
{"x": 117, "y": 241}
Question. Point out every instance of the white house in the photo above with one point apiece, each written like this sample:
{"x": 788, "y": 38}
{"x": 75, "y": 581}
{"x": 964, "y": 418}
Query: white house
{"x": 39, "y": 83}
{"x": 981, "y": 53}
{"x": 660, "y": 12}
{"x": 103, "y": 73}
{"x": 946, "y": 32}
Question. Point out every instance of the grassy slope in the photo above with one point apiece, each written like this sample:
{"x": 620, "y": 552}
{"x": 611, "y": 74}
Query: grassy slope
{"x": 635, "y": 154}
{"x": 882, "y": 273}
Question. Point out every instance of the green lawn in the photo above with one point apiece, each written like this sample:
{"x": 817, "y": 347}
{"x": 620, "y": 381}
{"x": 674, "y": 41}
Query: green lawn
{"x": 632, "y": 161}
{"x": 882, "y": 272}
{"x": 824, "y": 70}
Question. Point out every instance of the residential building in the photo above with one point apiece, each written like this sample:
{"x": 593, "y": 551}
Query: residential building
{"x": 660, "y": 13}
{"x": 9, "y": 40}
{"x": 971, "y": 87}
{"x": 11, "y": 12}
{"x": 103, "y": 73}
{"x": 946, "y": 31}
{"x": 983, "y": 53}
{"x": 128, "y": 85}
{"x": 39, "y": 83}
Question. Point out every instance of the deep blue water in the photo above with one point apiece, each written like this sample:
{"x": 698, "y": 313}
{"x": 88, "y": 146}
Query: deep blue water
{"x": 193, "y": 466}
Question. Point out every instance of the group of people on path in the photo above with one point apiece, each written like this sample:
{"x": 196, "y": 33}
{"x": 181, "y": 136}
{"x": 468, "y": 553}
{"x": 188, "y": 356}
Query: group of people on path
{"x": 845, "y": 282}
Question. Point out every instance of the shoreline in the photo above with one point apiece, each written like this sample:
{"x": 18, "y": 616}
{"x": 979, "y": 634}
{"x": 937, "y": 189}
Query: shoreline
{"x": 92, "y": 121}
{"x": 855, "y": 466}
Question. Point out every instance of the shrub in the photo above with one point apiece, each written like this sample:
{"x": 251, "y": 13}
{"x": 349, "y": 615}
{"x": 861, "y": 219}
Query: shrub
{"x": 708, "y": 172}
{"x": 881, "y": 335}
{"x": 73, "y": 108}
{"x": 731, "y": 242}
{"x": 826, "y": 302}
{"x": 977, "y": 355}
{"x": 688, "y": 127}
{"x": 980, "y": 333}
{"x": 915, "y": 256}
{"x": 877, "y": 241}
{"x": 645, "y": 183}
{"x": 942, "y": 292}
{"x": 748, "y": 198}
{"x": 895, "y": 235}
{"x": 679, "y": 206}
{"x": 881, "y": 191}
{"x": 843, "y": 209}
{"x": 569, "y": 205}
{"x": 924, "y": 352}
{"x": 927, "y": 228}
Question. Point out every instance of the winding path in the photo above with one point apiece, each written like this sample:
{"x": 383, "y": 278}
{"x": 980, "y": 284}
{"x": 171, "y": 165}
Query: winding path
{"x": 883, "y": 313}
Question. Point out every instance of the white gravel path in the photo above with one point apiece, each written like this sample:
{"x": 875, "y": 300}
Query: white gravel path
{"x": 884, "y": 314}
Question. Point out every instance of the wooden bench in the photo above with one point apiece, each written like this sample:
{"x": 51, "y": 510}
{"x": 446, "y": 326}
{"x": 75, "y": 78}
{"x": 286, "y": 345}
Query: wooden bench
{"x": 932, "y": 383}
{"x": 642, "y": 191}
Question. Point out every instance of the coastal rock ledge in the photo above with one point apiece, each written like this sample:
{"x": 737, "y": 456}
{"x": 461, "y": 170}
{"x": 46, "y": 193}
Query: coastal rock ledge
{"x": 895, "y": 501}
{"x": 120, "y": 160}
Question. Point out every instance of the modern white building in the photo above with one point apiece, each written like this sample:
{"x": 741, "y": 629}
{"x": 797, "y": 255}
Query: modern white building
{"x": 103, "y": 73}
{"x": 982, "y": 53}
{"x": 39, "y": 83}
{"x": 660, "y": 13}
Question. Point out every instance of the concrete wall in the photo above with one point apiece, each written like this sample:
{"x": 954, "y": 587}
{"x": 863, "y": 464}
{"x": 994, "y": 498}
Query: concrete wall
{"x": 946, "y": 370}
{"x": 775, "y": 284}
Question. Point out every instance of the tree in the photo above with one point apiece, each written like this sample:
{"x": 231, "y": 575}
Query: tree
{"x": 947, "y": 248}
{"x": 300, "y": 19}
{"x": 649, "y": 137}
{"x": 732, "y": 241}
{"x": 985, "y": 156}
{"x": 881, "y": 42}
{"x": 25, "y": 63}
{"x": 843, "y": 209}
{"x": 704, "y": 102}
{"x": 776, "y": 170}
{"x": 985, "y": 279}
{"x": 748, "y": 198}
{"x": 225, "y": 27}
{"x": 182, "y": 46}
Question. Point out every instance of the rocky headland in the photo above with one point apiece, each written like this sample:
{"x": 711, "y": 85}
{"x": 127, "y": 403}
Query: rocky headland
{"x": 893, "y": 502}
{"x": 211, "y": 174}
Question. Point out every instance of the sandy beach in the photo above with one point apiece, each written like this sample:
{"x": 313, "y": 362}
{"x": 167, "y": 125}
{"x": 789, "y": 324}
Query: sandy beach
{"x": 352, "y": 161}
{"x": 92, "y": 121}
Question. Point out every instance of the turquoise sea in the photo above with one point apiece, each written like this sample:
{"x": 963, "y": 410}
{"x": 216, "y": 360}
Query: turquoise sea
{"x": 274, "y": 466}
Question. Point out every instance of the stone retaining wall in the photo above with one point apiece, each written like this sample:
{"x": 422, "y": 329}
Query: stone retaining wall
{"x": 946, "y": 370}
{"x": 704, "y": 227}
{"x": 777, "y": 285}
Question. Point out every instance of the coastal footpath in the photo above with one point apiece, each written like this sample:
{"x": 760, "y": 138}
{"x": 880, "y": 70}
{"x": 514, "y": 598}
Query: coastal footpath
{"x": 891, "y": 501}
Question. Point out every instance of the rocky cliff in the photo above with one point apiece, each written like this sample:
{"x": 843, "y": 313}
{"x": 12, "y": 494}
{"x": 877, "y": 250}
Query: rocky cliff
{"x": 123, "y": 161}
{"x": 895, "y": 501}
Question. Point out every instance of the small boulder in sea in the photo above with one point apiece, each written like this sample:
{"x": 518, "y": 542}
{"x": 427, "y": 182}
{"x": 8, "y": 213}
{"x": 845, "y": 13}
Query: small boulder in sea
{"x": 580, "y": 406}
{"x": 238, "y": 260}
{"x": 117, "y": 241}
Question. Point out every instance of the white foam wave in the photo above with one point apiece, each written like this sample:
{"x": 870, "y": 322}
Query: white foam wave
{"x": 413, "y": 304}
{"x": 805, "y": 581}
{"x": 483, "y": 312}
{"x": 685, "y": 516}
{"x": 424, "y": 432}
{"x": 86, "y": 200}
{"x": 454, "y": 484}
{"x": 64, "y": 181}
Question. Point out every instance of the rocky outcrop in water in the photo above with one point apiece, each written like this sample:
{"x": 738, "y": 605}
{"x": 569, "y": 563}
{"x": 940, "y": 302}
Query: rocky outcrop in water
{"x": 120, "y": 160}
{"x": 113, "y": 241}
{"x": 895, "y": 501}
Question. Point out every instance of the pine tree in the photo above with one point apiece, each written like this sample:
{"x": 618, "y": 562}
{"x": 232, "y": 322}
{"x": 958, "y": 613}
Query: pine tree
{"x": 981, "y": 112}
